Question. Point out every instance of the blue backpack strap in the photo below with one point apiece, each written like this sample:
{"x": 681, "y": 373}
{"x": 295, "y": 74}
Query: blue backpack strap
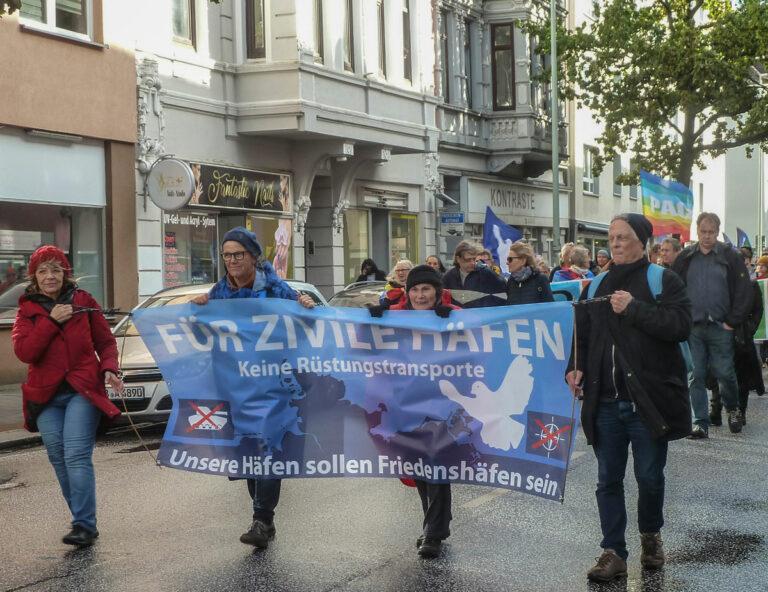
{"x": 595, "y": 284}
{"x": 655, "y": 275}
{"x": 655, "y": 280}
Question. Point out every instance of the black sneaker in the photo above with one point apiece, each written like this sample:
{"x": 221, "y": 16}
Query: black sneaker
{"x": 429, "y": 548}
{"x": 258, "y": 535}
{"x": 743, "y": 417}
{"x": 735, "y": 419}
{"x": 698, "y": 433}
{"x": 80, "y": 536}
{"x": 715, "y": 418}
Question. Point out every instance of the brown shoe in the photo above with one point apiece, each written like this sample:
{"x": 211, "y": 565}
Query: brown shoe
{"x": 652, "y": 556}
{"x": 609, "y": 566}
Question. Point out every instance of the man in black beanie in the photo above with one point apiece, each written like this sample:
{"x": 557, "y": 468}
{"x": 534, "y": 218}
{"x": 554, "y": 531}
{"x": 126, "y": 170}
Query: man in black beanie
{"x": 632, "y": 375}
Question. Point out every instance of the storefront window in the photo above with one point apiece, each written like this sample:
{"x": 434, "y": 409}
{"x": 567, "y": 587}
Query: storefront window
{"x": 189, "y": 248}
{"x": 24, "y": 227}
{"x": 404, "y": 238}
{"x": 275, "y": 235}
{"x": 356, "y": 241}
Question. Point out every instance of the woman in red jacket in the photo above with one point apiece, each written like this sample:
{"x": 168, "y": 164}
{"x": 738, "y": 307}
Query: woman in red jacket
{"x": 63, "y": 336}
{"x": 423, "y": 291}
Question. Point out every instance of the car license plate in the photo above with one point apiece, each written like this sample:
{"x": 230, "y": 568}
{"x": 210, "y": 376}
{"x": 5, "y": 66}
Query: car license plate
{"x": 130, "y": 392}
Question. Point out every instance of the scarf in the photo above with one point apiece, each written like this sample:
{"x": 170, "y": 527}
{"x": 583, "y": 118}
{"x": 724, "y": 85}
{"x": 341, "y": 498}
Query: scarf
{"x": 522, "y": 275}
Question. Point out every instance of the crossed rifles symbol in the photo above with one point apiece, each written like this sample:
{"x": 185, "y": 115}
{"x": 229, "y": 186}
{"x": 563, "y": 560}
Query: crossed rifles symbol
{"x": 204, "y": 417}
{"x": 547, "y": 436}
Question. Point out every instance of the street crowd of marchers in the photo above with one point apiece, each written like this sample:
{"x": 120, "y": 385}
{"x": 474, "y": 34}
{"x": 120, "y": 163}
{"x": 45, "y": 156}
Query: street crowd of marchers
{"x": 656, "y": 329}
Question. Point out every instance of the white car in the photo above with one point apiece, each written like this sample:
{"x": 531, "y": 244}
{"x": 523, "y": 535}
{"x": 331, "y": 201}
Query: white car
{"x": 146, "y": 397}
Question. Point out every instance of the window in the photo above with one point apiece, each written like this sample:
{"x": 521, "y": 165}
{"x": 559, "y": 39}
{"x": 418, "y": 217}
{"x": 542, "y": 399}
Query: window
{"x": 356, "y": 238}
{"x": 616, "y": 174}
{"x": 444, "y": 56}
{"x": 590, "y": 181}
{"x": 68, "y": 15}
{"x": 320, "y": 57}
{"x": 468, "y": 62}
{"x": 503, "y": 67}
{"x": 184, "y": 21}
{"x": 190, "y": 248}
{"x": 382, "y": 41}
{"x": 407, "y": 67}
{"x": 24, "y": 227}
{"x": 254, "y": 24}
{"x": 349, "y": 38}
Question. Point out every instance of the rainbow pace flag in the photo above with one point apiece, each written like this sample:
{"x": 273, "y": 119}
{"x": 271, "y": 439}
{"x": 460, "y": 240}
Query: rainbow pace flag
{"x": 668, "y": 205}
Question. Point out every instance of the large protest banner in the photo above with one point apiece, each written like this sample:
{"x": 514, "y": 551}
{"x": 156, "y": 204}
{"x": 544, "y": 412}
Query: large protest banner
{"x": 266, "y": 388}
{"x": 569, "y": 290}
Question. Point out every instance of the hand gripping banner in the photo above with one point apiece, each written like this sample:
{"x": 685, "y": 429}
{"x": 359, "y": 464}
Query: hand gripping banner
{"x": 265, "y": 388}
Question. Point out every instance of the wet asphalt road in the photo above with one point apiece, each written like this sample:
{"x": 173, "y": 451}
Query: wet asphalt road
{"x": 168, "y": 530}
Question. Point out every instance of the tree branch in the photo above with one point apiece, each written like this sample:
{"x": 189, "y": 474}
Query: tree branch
{"x": 750, "y": 139}
{"x": 668, "y": 11}
{"x": 674, "y": 126}
{"x": 695, "y": 8}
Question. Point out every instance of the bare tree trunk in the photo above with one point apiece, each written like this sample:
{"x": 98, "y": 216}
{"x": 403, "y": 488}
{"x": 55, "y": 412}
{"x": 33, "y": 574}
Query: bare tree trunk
{"x": 687, "y": 156}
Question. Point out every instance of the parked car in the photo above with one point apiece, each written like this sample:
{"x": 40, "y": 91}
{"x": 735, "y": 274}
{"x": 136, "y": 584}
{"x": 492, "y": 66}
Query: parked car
{"x": 358, "y": 295}
{"x": 361, "y": 294}
{"x": 146, "y": 397}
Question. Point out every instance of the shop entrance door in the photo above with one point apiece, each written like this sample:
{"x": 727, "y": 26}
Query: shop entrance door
{"x": 404, "y": 238}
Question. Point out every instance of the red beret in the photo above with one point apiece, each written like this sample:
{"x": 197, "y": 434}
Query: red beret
{"x": 49, "y": 253}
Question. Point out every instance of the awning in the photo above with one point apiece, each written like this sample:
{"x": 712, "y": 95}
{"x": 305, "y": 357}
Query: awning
{"x": 592, "y": 227}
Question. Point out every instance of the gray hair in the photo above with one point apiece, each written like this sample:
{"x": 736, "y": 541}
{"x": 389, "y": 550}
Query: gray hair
{"x": 674, "y": 243}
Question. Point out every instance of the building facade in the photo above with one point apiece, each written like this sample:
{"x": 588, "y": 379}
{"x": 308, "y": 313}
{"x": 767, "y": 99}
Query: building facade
{"x": 494, "y": 119}
{"x": 67, "y": 141}
{"x": 307, "y": 121}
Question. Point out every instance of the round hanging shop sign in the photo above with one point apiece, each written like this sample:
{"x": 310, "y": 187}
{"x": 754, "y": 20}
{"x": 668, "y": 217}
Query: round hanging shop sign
{"x": 170, "y": 183}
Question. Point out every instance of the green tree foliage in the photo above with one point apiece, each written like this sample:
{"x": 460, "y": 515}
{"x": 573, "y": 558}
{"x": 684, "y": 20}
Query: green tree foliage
{"x": 9, "y": 6}
{"x": 672, "y": 81}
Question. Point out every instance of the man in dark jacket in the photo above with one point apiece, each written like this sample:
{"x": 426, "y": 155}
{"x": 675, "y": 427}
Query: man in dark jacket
{"x": 721, "y": 297}
{"x": 629, "y": 368}
{"x": 466, "y": 275}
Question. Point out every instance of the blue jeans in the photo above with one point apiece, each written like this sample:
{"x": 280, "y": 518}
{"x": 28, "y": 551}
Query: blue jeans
{"x": 265, "y": 494}
{"x": 712, "y": 350}
{"x": 616, "y": 428}
{"x": 68, "y": 428}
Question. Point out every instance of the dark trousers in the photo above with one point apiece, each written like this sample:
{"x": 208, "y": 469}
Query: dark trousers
{"x": 618, "y": 427}
{"x": 436, "y": 503}
{"x": 265, "y": 494}
{"x": 717, "y": 403}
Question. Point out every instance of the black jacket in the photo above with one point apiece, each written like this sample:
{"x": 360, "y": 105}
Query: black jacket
{"x": 746, "y": 363}
{"x": 646, "y": 339}
{"x": 480, "y": 280}
{"x": 379, "y": 276}
{"x": 739, "y": 284}
{"x": 533, "y": 290}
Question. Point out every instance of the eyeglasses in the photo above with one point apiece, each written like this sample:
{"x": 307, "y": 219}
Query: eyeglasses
{"x": 238, "y": 256}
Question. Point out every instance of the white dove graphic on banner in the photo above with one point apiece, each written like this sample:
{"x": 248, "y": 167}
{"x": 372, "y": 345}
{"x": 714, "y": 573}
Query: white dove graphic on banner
{"x": 495, "y": 408}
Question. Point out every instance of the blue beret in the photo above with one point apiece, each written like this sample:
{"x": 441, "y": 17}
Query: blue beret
{"x": 246, "y": 238}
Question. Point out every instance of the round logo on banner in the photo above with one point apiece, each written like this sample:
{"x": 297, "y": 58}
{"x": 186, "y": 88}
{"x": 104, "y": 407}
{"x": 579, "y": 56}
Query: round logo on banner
{"x": 170, "y": 183}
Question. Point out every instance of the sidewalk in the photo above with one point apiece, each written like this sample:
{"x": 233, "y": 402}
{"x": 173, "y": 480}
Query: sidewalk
{"x": 12, "y": 432}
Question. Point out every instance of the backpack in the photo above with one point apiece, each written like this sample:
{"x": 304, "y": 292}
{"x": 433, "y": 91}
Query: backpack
{"x": 655, "y": 274}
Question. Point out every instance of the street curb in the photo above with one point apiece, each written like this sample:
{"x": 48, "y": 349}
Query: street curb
{"x": 5, "y": 476}
{"x": 23, "y": 442}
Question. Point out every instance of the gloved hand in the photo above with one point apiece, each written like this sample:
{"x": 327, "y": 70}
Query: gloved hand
{"x": 377, "y": 310}
{"x": 443, "y": 311}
